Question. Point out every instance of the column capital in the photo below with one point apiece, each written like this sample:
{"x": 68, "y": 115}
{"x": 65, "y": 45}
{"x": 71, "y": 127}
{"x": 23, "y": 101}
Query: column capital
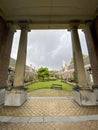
{"x": 24, "y": 26}
{"x": 73, "y": 25}
{"x": 87, "y": 25}
{"x": 11, "y": 27}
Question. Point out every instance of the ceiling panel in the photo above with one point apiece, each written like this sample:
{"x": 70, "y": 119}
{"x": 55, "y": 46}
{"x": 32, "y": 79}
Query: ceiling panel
{"x": 44, "y": 10}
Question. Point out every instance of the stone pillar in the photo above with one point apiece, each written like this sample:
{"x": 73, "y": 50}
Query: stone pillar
{"x": 82, "y": 96}
{"x": 2, "y": 83}
{"x": 78, "y": 58}
{"x": 6, "y": 37}
{"x": 92, "y": 54}
{"x": 94, "y": 33}
{"x": 21, "y": 59}
{"x": 96, "y": 26}
{"x": 5, "y": 52}
{"x": 18, "y": 95}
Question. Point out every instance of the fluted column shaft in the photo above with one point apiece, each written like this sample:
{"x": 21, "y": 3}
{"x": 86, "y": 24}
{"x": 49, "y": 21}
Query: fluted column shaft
{"x": 5, "y": 51}
{"x": 78, "y": 58}
{"x": 21, "y": 59}
{"x": 92, "y": 54}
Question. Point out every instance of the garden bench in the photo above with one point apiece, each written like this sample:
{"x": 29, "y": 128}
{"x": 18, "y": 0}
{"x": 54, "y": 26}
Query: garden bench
{"x": 56, "y": 86}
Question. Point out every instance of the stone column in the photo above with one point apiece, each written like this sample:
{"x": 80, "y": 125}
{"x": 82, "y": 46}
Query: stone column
{"x": 95, "y": 35}
{"x": 5, "y": 52}
{"x": 97, "y": 27}
{"x": 96, "y": 24}
{"x": 18, "y": 95}
{"x": 92, "y": 54}
{"x": 6, "y": 37}
{"x": 21, "y": 59}
{"x": 78, "y": 58}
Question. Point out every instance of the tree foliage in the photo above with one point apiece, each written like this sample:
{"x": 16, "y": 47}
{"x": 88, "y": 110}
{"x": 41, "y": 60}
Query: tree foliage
{"x": 71, "y": 61}
{"x": 43, "y": 73}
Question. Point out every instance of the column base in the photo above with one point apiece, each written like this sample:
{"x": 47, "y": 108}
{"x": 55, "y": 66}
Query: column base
{"x": 15, "y": 97}
{"x": 84, "y": 97}
{"x": 2, "y": 96}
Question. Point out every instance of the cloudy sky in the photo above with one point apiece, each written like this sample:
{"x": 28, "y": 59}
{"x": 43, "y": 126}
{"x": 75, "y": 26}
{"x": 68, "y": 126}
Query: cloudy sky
{"x": 48, "y": 48}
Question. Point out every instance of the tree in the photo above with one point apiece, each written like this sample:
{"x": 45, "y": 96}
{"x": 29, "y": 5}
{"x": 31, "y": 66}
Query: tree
{"x": 71, "y": 61}
{"x": 43, "y": 73}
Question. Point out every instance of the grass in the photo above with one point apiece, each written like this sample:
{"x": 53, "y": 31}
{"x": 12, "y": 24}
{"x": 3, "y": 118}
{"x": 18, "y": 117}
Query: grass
{"x": 47, "y": 84}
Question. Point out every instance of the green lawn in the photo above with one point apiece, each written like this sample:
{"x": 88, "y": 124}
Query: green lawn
{"x": 47, "y": 84}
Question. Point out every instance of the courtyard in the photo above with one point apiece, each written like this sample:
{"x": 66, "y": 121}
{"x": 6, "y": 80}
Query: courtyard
{"x": 48, "y": 108}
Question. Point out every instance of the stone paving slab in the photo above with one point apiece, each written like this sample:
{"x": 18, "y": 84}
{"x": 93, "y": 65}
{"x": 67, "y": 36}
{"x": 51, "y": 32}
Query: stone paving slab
{"x": 92, "y": 117}
{"x": 49, "y": 119}
{"x": 57, "y": 119}
{"x": 71, "y": 118}
{"x": 5, "y": 118}
{"x": 36, "y": 119}
{"x": 19, "y": 119}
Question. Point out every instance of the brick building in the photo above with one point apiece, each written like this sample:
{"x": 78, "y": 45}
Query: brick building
{"x": 67, "y": 71}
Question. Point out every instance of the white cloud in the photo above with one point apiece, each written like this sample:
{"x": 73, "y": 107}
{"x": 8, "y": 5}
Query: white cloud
{"x": 47, "y": 47}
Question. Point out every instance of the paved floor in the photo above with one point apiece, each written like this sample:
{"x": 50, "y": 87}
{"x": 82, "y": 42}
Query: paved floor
{"x": 49, "y": 113}
{"x": 49, "y": 92}
{"x": 88, "y": 125}
{"x": 48, "y": 107}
